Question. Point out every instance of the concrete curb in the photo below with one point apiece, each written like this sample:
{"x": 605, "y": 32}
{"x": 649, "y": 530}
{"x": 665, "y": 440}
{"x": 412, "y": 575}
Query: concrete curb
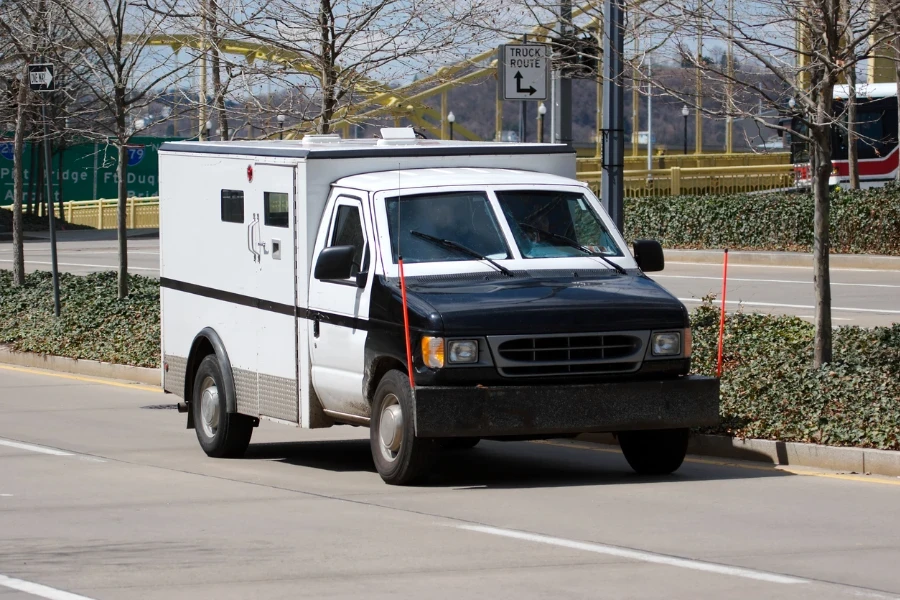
{"x": 784, "y": 259}
{"x": 92, "y": 368}
{"x": 832, "y": 458}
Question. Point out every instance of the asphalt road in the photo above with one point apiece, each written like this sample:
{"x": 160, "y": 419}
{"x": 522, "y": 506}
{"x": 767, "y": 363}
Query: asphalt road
{"x": 105, "y": 498}
{"x": 860, "y": 297}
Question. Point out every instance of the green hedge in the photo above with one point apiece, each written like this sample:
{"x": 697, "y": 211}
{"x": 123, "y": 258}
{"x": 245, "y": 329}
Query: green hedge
{"x": 771, "y": 391}
{"x": 862, "y": 222}
{"x": 94, "y": 323}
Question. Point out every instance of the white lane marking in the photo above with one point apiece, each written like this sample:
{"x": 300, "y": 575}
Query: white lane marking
{"x": 730, "y": 279}
{"x": 805, "y": 306}
{"x": 833, "y": 318}
{"x": 742, "y": 266}
{"x": 6, "y": 495}
{"x": 36, "y": 589}
{"x": 33, "y": 448}
{"x": 639, "y": 555}
{"x": 40, "y": 262}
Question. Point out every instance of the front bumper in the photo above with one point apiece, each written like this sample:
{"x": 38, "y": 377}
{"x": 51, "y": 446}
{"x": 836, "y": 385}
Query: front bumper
{"x": 487, "y": 411}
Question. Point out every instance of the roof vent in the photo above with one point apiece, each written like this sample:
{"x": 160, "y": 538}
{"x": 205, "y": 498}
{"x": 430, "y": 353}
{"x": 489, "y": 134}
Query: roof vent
{"x": 397, "y": 136}
{"x": 316, "y": 139}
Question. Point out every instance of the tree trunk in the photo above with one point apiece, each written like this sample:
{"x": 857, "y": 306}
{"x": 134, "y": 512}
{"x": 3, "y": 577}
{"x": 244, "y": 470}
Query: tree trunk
{"x": 821, "y": 146}
{"x": 897, "y": 70}
{"x": 328, "y": 66}
{"x": 19, "y": 182}
{"x": 852, "y": 150}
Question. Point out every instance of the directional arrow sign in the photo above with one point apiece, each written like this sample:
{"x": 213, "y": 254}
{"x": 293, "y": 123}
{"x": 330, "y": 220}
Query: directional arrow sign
{"x": 40, "y": 77}
{"x": 525, "y": 71}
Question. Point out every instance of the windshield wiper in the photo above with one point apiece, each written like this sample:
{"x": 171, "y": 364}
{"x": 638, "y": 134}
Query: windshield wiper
{"x": 574, "y": 244}
{"x": 461, "y": 249}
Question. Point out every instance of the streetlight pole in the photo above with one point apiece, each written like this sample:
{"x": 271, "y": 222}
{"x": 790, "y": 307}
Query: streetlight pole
{"x": 684, "y": 113}
{"x": 280, "y": 119}
{"x": 451, "y": 119}
{"x": 542, "y": 110}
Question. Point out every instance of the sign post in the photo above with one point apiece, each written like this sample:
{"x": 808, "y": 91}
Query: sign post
{"x": 40, "y": 79}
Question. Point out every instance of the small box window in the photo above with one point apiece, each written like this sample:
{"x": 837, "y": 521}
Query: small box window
{"x": 276, "y": 209}
{"x": 233, "y": 206}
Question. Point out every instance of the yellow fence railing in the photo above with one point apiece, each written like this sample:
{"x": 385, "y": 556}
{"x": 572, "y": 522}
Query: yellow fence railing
{"x": 140, "y": 213}
{"x": 143, "y": 213}
{"x": 719, "y": 180}
{"x": 693, "y": 161}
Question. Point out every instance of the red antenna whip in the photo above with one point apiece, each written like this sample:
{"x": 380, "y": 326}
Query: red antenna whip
{"x": 409, "y": 361}
{"x": 722, "y": 316}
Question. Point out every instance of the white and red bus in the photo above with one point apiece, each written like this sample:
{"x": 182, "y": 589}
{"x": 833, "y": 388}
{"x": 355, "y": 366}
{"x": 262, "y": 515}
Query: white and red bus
{"x": 877, "y": 128}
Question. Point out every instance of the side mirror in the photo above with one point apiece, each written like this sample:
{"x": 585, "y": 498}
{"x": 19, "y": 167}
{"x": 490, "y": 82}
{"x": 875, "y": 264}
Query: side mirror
{"x": 649, "y": 255}
{"x": 335, "y": 263}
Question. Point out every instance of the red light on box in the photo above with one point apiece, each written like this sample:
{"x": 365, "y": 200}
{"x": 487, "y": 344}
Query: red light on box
{"x": 250, "y": 173}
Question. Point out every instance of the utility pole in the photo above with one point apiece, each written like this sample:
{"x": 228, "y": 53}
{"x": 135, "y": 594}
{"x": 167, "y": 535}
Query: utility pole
{"x": 561, "y": 115}
{"x": 612, "y": 190}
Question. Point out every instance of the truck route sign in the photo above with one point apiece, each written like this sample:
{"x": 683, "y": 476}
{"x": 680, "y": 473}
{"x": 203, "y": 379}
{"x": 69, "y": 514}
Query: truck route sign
{"x": 524, "y": 71}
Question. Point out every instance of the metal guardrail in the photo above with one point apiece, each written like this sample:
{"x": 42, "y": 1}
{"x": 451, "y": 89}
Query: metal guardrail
{"x": 141, "y": 213}
{"x": 717, "y": 180}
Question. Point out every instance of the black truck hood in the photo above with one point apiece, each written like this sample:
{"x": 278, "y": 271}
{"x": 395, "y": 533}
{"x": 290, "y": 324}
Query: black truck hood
{"x": 475, "y": 305}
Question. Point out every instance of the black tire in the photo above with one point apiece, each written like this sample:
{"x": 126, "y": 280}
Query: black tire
{"x": 223, "y": 435}
{"x": 463, "y": 443}
{"x": 399, "y": 461}
{"x": 655, "y": 451}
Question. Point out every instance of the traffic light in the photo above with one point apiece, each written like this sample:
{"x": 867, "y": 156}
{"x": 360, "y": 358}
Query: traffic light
{"x": 576, "y": 56}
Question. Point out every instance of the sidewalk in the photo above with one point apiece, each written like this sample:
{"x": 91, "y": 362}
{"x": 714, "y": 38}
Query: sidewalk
{"x": 783, "y": 259}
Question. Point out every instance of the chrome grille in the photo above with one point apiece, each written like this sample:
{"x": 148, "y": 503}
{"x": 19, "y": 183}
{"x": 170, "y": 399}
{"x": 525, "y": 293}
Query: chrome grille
{"x": 569, "y": 354}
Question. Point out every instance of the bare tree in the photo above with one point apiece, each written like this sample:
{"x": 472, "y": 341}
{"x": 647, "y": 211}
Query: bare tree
{"x": 336, "y": 53}
{"x": 805, "y": 48}
{"x": 23, "y": 25}
{"x": 123, "y": 74}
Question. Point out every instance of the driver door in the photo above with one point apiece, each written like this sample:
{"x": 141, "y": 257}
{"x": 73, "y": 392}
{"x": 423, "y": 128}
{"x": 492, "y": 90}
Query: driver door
{"x": 339, "y": 310}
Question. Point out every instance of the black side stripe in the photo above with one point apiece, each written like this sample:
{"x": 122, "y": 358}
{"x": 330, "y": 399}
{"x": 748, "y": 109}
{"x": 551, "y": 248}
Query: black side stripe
{"x": 240, "y": 299}
{"x": 267, "y": 305}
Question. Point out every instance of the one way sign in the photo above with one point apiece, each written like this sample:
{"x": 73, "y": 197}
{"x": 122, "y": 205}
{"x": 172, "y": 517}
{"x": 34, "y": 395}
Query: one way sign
{"x": 524, "y": 71}
{"x": 40, "y": 77}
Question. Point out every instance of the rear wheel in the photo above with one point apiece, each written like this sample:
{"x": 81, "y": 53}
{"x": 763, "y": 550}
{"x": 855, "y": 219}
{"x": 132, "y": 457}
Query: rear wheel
{"x": 221, "y": 435}
{"x": 655, "y": 451}
{"x": 400, "y": 457}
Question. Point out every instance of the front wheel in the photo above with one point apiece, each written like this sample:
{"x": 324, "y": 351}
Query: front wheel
{"x": 221, "y": 435}
{"x": 400, "y": 457}
{"x": 654, "y": 451}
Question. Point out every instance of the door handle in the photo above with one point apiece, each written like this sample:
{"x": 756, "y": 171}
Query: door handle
{"x": 251, "y": 244}
{"x": 259, "y": 235}
{"x": 316, "y": 325}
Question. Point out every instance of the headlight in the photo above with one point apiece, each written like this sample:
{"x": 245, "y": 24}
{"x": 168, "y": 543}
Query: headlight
{"x": 666, "y": 344}
{"x": 433, "y": 351}
{"x": 463, "y": 351}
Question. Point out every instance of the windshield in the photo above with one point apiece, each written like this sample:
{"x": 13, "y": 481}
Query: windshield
{"x": 465, "y": 218}
{"x": 547, "y": 224}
